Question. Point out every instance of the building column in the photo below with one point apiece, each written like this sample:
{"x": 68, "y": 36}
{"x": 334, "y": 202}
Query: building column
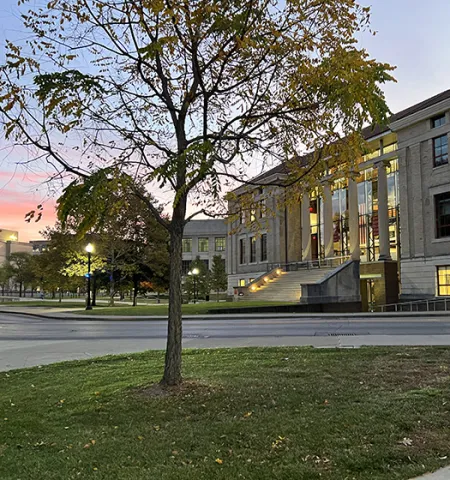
{"x": 383, "y": 212}
{"x": 328, "y": 220}
{"x": 353, "y": 219}
{"x": 306, "y": 229}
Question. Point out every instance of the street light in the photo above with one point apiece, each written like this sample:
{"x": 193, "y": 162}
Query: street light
{"x": 194, "y": 272}
{"x": 89, "y": 249}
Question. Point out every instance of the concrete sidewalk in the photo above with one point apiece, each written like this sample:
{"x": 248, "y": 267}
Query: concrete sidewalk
{"x": 443, "y": 474}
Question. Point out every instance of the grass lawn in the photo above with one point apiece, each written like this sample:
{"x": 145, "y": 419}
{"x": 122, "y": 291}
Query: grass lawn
{"x": 189, "y": 309}
{"x": 278, "y": 413}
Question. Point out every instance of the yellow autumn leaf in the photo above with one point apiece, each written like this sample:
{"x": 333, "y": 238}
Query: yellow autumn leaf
{"x": 248, "y": 414}
{"x": 219, "y": 461}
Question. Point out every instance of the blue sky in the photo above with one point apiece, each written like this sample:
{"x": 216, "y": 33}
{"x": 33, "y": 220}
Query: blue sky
{"x": 412, "y": 35}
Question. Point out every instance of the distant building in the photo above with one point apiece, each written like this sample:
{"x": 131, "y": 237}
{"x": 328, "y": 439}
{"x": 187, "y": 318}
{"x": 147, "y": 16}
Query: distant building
{"x": 204, "y": 239}
{"x": 9, "y": 247}
{"x": 8, "y": 235}
{"x": 39, "y": 246}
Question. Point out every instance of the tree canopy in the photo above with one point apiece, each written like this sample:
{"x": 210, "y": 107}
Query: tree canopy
{"x": 186, "y": 95}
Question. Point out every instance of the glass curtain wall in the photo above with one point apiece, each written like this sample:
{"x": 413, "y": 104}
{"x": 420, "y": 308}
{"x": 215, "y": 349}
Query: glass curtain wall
{"x": 369, "y": 237}
{"x": 393, "y": 205}
{"x": 340, "y": 218}
{"x": 316, "y": 222}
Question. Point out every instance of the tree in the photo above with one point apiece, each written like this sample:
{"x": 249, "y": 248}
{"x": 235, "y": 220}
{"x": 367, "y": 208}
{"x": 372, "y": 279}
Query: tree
{"x": 184, "y": 95}
{"x": 22, "y": 269}
{"x": 197, "y": 285}
{"x": 218, "y": 277}
{"x": 5, "y": 276}
{"x": 130, "y": 238}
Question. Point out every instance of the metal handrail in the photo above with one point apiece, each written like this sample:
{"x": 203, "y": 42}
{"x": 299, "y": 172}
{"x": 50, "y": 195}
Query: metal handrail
{"x": 309, "y": 264}
{"x": 427, "y": 303}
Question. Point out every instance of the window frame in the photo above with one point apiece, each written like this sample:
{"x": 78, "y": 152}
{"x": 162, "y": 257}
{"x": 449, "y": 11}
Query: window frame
{"x": 223, "y": 246}
{"x": 445, "y": 285}
{"x": 445, "y": 196}
{"x": 437, "y": 159}
{"x": 242, "y": 252}
{"x": 207, "y": 244}
{"x": 189, "y": 239}
{"x": 252, "y": 249}
{"x": 264, "y": 247}
{"x": 438, "y": 118}
{"x": 242, "y": 282}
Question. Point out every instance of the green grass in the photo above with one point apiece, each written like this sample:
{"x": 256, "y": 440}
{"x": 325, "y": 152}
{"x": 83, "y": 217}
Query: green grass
{"x": 189, "y": 309}
{"x": 278, "y": 413}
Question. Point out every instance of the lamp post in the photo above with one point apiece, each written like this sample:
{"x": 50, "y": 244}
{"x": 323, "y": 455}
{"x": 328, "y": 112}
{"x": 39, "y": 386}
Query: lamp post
{"x": 89, "y": 249}
{"x": 194, "y": 272}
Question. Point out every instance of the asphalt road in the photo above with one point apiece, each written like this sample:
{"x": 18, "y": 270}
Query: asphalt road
{"x": 27, "y": 341}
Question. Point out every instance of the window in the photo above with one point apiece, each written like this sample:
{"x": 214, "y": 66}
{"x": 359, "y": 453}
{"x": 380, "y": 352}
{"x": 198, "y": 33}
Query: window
{"x": 242, "y": 251}
{"x": 203, "y": 244}
{"x": 187, "y": 245}
{"x": 443, "y": 280}
{"x": 442, "y": 205}
{"x": 242, "y": 282}
{"x": 242, "y": 217}
{"x": 264, "y": 247}
{"x": 438, "y": 121}
{"x": 262, "y": 208}
{"x": 440, "y": 150}
{"x": 252, "y": 249}
{"x": 186, "y": 266}
{"x": 219, "y": 244}
{"x": 252, "y": 213}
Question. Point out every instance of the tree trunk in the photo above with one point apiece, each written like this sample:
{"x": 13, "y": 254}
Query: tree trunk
{"x": 172, "y": 367}
{"x": 20, "y": 289}
{"x": 157, "y": 296}
{"x": 135, "y": 290}
{"x": 112, "y": 288}
{"x": 60, "y": 295}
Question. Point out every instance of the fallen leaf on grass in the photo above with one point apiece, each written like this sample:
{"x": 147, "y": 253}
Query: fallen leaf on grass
{"x": 219, "y": 461}
{"x": 248, "y": 414}
{"x": 406, "y": 441}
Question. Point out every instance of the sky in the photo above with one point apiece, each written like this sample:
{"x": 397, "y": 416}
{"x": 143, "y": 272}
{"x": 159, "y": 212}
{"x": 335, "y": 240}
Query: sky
{"x": 411, "y": 35}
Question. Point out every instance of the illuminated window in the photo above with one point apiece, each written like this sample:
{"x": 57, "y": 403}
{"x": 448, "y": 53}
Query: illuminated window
{"x": 187, "y": 245}
{"x": 443, "y": 280}
{"x": 442, "y": 205}
{"x": 390, "y": 148}
{"x": 252, "y": 213}
{"x": 242, "y": 282}
{"x": 438, "y": 121}
{"x": 203, "y": 244}
{"x": 219, "y": 244}
{"x": 440, "y": 150}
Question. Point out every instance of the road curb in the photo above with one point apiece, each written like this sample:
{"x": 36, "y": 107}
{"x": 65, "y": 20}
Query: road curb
{"x": 237, "y": 316}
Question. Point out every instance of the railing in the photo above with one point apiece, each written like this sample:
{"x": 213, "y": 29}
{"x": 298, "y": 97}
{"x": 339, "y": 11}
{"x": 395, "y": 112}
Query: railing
{"x": 310, "y": 264}
{"x": 425, "y": 305}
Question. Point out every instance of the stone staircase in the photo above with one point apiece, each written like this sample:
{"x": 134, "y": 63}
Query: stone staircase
{"x": 287, "y": 287}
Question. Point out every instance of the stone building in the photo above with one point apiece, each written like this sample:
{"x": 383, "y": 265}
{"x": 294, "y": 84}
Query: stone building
{"x": 392, "y": 218}
{"x": 204, "y": 239}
